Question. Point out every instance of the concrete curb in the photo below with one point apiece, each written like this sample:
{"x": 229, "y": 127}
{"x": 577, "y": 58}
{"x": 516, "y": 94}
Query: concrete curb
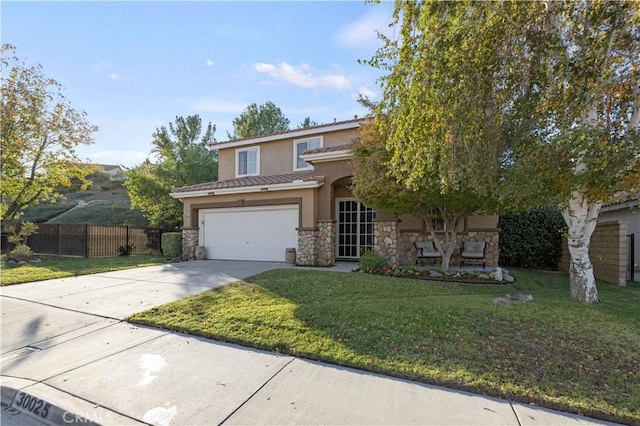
{"x": 54, "y": 407}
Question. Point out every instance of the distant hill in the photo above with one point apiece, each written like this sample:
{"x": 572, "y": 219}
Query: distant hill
{"x": 106, "y": 202}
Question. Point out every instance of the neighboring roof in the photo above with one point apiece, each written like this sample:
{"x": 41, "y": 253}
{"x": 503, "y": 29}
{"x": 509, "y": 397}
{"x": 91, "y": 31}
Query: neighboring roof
{"x": 284, "y": 181}
{"x": 622, "y": 200}
{"x": 308, "y": 131}
{"x": 107, "y": 167}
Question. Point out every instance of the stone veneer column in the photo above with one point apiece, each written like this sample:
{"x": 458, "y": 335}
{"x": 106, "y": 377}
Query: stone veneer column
{"x": 189, "y": 243}
{"x": 307, "y": 253}
{"x": 385, "y": 240}
{"x": 326, "y": 243}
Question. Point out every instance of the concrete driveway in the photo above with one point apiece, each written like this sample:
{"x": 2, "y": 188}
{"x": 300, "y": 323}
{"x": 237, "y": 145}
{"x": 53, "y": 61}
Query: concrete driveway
{"x": 67, "y": 357}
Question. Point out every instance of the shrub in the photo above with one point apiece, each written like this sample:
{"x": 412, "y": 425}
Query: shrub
{"x": 531, "y": 239}
{"x": 172, "y": 244}
{"x": 371, "y": 263}
{"x": 126, "y": 250}
{"x": 21, "y": 251}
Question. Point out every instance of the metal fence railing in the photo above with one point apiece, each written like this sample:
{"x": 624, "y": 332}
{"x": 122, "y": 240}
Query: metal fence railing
{"x": 631, "y": 256}
{"x": 93, "y": 240}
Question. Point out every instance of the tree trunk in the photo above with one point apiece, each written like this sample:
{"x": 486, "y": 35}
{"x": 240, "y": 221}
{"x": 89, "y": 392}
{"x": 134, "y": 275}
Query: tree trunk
{"x": 450, "y": 234}
{"x": 581, "y": 217}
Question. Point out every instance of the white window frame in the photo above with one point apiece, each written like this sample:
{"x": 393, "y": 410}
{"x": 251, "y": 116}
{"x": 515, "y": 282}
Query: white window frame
{"x": 296, "y": 142}
{"x": 238, "y": 151}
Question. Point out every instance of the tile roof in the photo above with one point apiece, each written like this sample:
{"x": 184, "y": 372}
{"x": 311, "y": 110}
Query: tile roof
{"x": 319, "y": 127}
{"x": 305, "y": 176}
{"x": 623, "y": 197}
{"x": 328, "y": 149}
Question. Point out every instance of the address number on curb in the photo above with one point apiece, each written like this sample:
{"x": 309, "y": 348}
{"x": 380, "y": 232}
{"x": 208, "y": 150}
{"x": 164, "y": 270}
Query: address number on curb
{"x": 32, "y": 404}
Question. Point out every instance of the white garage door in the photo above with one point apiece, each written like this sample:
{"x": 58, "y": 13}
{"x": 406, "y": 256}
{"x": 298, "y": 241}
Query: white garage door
{"x": 249, "y": 233}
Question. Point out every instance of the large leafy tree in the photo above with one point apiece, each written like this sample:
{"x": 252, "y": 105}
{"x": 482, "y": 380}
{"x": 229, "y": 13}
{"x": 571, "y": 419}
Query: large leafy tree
{"x": 306, "y": 123}
{"x": 183, "y": 158}
{"x": 39, "y": 135}
{"x": 257, "y": 120}
{"x": 558, "y": 84}
{"x": 576, "y": 124}
{"x": 375, "y": 186}
{"x": 438, "y": 128}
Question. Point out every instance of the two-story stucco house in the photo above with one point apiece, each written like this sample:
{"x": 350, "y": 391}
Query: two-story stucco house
{"x": 292, "y": 190}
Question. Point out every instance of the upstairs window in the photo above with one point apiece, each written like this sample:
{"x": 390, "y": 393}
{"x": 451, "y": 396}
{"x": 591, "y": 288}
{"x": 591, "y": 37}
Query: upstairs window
{"x": 302, "y": 145}
{"x": 248, "y": 162}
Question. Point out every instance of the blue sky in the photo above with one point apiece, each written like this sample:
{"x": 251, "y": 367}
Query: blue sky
{"x": 133, "y": 66}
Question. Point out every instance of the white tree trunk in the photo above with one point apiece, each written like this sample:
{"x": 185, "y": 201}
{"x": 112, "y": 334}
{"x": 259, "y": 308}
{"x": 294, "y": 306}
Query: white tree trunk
{"x": 450, "y": 236}
{"x": 581, "y": 217}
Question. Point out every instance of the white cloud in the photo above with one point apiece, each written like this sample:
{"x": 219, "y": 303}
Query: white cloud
{"x": 216, "y": 105}
{"x": 362, "y": 32}
{"x": 209, "y": 63}
{"x": 98, "y": 67}
{"x": 115, "y": 76}
{"x": 302, "y": 76}
{"x": 366, "y": 93}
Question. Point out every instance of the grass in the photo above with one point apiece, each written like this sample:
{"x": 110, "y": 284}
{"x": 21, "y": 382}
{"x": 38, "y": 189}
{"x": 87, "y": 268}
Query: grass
{"x": 551, "y": 351}
{"x": 103, "y": 213}
{"x": 51, "y": 268}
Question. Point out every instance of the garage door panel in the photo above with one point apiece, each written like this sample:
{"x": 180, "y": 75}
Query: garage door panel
{"x": 253, "y": 233}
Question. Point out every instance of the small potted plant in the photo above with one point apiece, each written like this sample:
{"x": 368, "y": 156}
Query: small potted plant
{"x": 21, "y": 253}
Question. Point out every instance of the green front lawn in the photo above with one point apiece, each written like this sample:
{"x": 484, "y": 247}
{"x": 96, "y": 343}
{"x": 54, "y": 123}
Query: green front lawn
{"x": 51, "y": 267}
{"x": 551, "y": 351}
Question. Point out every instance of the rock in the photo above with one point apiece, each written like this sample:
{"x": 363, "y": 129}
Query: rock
{"x": 11, "y": 261}
{"x": 508, "y": 278}
{"x": 498, "y": 274}
{"x": 35, "y": 260}
{"x": 435, "y": 274}
{"x": 520, "y": 297}
{"x": 22, "y": 262}
{"x": 501, "y": 301}
{"x": 484, "y": 276}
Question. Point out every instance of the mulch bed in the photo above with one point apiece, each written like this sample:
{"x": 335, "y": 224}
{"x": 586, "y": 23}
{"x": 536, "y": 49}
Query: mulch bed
{"x": 464, "y": 278}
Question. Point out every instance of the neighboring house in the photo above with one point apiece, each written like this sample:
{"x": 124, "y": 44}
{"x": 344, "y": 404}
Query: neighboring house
{"x": 114, "y": 171}
{"x": 293, "y": 190}
{"x": 625, "y": 209}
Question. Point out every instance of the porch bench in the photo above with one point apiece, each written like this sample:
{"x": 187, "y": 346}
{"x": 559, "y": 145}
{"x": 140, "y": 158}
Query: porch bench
{"x": 427, "y": 252}
{"x": 473, "y": 252}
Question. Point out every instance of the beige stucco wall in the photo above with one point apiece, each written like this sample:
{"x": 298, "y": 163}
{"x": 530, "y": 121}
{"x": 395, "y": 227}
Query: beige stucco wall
{"x": 276, "y": 157}
{"x": 337, "y": 176}
{"x": 305, "y": 198}
{"x": 410, "y": 223}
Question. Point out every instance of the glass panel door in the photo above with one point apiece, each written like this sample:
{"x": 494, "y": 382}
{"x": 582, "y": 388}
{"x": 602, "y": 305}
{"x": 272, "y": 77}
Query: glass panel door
{"x": 355, "y": 228}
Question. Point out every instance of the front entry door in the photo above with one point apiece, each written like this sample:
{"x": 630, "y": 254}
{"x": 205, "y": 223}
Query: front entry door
{"x": 355, "y": 228}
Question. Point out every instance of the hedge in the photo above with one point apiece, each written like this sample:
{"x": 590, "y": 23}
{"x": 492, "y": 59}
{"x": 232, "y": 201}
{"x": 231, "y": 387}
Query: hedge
{"x": 532, "y": 239}
{"x": 172, "y": 244}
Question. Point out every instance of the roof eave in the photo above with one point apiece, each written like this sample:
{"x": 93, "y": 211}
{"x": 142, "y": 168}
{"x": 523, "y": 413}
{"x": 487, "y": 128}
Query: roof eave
{"x": 287, "y": 135}
{"x": 620, "y": 206}
{"x": 323, "y": 157}
{"x": 249, "y": 189}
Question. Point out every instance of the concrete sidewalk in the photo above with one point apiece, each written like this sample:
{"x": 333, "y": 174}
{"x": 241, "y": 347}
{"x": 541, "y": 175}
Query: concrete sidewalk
{"x": 66, "y": 357}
